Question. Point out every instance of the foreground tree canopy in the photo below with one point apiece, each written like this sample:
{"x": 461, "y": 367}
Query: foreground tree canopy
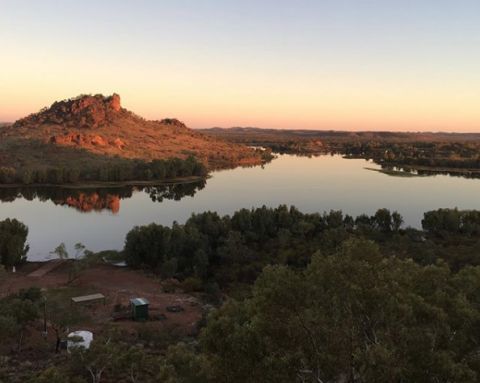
{"x": 353, "y": 316}
{"x": 299, "y": 298}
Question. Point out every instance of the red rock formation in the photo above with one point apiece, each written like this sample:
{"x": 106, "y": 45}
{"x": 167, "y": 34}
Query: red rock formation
{"x": 118, "y": 143}
{"x": 98, "y": 140}
{"x": 82, "y": 111}
{"x": 115, "y": 102}
{"x": 98, "y": 125}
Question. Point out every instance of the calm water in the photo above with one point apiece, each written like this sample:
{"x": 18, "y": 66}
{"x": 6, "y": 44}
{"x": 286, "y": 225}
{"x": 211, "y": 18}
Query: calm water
{"x": 312, "y": 184}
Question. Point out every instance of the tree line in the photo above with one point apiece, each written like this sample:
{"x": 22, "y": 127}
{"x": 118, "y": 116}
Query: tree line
{"x": 388, "y": 153}
{"x": 118, "y": 170}
{"x": 234, "y": 249}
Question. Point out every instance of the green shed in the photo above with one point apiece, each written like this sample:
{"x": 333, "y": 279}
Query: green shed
{"x": 139, "y": 309}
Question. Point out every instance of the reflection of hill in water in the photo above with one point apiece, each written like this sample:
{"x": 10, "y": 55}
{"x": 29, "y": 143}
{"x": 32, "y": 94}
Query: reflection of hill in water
{"x": 100, "y": 199}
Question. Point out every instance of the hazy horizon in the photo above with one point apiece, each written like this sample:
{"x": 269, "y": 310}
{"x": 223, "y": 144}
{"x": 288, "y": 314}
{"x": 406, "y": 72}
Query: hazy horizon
{"x": 324, "y": 65}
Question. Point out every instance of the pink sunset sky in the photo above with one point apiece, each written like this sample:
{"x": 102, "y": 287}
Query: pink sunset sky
{"x": 347, "y": 65}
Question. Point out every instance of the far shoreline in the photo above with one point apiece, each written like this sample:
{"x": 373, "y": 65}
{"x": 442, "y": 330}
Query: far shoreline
{"x": 107, "y": 184}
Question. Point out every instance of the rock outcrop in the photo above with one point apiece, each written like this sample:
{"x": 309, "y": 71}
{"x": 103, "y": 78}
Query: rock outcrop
{"x": 80, "y": 112}
{"x": 97, "y": 130}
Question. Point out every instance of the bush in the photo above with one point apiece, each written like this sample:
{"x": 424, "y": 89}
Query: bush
{"x": 191, "y": 284}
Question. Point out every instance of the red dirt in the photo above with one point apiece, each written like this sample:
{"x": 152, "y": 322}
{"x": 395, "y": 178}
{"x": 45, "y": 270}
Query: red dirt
{"x": 46, "y": 268}
{"x": 119, "y": 285}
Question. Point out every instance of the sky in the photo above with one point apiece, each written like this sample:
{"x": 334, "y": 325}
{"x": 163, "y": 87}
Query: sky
{"x": 411, "y": 65}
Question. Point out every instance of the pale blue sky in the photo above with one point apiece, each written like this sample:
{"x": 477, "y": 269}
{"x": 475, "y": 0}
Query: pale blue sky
{"x": 409, "y": 65}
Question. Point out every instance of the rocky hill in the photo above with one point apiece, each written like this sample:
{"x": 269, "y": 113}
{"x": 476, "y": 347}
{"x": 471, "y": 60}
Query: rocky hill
{"x": 100, "y": 125}
{"x": 92, "y": 130}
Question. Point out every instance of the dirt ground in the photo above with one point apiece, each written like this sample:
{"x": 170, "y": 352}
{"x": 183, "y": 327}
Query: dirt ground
{"x": 118, "y": 285}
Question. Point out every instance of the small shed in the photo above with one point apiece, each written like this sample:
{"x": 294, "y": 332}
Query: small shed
{"x": 139, "y": 309}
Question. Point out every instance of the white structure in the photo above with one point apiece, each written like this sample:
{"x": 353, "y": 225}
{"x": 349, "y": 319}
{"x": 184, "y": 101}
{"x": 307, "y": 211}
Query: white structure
{"x": 86, "y": 339}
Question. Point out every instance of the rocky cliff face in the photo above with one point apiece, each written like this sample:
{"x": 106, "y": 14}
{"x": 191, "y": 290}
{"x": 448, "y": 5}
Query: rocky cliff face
{"x": 81, "y": 112}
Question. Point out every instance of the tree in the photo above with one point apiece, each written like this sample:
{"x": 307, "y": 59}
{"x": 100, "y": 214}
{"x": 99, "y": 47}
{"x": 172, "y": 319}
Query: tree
{"x": 61, "y": 251}
{"x": 8, "y": 326}
{"x": 397, "y": 221}
{"x": 182, "y": 364}
{"x": 17, "y": 312}
{"x": 13, "y": 236}
{"x": 383, "y": 220}
{"x": 136, "y": 364}
{"x": 147, "y": 245}
{"x": 354, "y": 316}
{"x": 102, "y": 355}
{"x": 83, "y": 259}
{"x": 55, "y": 375}
{"x": 61, "y": 316}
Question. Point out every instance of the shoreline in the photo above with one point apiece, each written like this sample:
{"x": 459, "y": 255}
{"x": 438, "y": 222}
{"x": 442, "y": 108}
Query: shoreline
{"x": 396, "y": 173}
{"x": 107, "y": 184}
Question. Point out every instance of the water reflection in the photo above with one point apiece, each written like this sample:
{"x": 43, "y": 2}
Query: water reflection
{"x": 99, "y": 199}
{"x": 401, "y": 171}
{"x": 174, "y": 191}
{"x": 314, "y": 184}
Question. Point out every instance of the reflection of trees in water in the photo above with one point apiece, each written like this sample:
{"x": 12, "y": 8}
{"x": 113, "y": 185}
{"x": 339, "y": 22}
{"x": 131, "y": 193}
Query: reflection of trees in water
{"x": 400, "y": 170}
{"x": 98, "y": 199}
{"x": 174, "y": 191}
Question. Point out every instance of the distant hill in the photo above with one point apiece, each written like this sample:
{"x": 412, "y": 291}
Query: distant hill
{"x": 257, "y": 135}
{"x": 92, "y": 130}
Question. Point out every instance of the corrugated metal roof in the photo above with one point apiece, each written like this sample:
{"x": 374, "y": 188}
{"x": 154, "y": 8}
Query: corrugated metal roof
{"x": 139, "y": 301}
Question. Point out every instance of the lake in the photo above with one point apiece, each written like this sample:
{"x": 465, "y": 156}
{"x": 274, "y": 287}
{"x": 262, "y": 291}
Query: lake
{"x": 100, "y": 218}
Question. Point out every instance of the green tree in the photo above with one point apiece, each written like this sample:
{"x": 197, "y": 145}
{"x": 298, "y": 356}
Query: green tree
{"x": 182, "y": 364}
{"x": 135, "y": 364}
{"x": 17, "y": 313}
{"x": 13, "y": 237}
{"x": 55, "y": 375}
{"x": 98, "y": 359}
{"x": 61, "y": 316}
{"x": 61, "y": 251}
{"x": 354, "y": 316}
